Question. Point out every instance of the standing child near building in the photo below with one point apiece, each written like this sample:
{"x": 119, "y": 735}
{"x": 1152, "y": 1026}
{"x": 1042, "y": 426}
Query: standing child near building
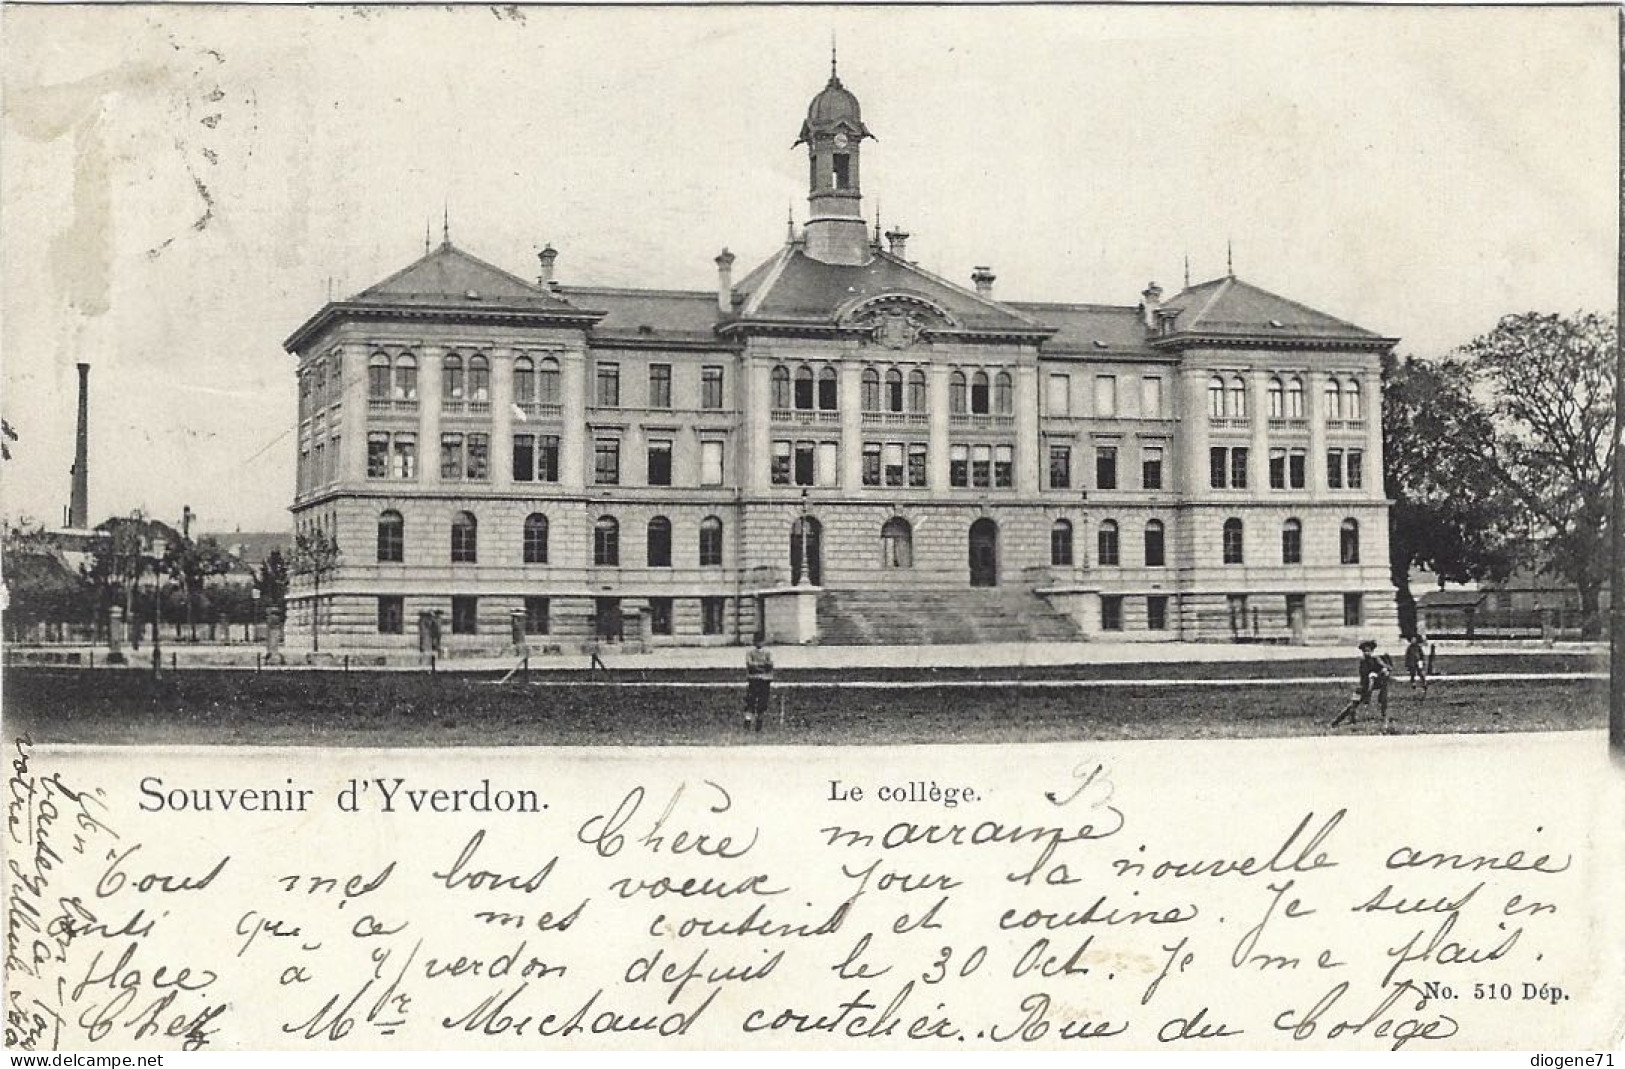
{"x": 1375, "y": 672}
{"x": 1416, "y": 661}
{"x": 758, "y": 683}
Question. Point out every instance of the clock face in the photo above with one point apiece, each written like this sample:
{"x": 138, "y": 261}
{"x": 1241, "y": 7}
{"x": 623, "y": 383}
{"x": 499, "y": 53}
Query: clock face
{"x": 840, "y": 140}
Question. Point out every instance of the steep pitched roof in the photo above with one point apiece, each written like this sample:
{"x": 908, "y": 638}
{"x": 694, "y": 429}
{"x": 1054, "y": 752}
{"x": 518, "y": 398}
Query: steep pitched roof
{"x": 795, "y": 287}
{"x": 448, "y": 274}
{"x": 1101, "y": 329}
{"x": 684, "y": 315}
{"x": 1230, "y": 306}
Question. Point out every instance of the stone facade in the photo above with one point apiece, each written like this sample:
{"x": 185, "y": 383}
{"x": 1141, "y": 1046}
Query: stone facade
{"x": 932, "y": 436}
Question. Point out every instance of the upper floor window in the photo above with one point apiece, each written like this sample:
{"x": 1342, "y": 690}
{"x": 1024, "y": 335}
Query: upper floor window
{"x": 956, "y": 393}
{"x": 710, "y": 542}
{"x": 1151, "y": 397}
{"x": 452, "y": 386}
{"x": 658, "y": 543}
{"x": 1108, "y": 555}
{"x": 1106, "y": 395}
{"x": 894, "y": 390}
{"x": 606, "y": 542}
{"x": 1292, "y": 542}
{"x": 1058, "y": 395}
{"x": 391, "y": 537}
{"x": 1060, "y": 544}
{"x": 547, "y": 381}
{"x": 979, "y": 393}
{"x": 918, "y": 397}
{"x": 1294, "y": 398}
{"x": 711, "y": 463}
{"x": 1233, "y": 549}
{"x": 479, "y": 378}
{"x": 1236, "y": 398}
{"x": 1227, "y": 467}
{"x": 606, "y": 459}
{"x": 465, "y": 532}
{"x": 1334, "y": 399}
{"x": 536, "y": 458}
{"x": 1349, "y": 541}
{"x": 659, "y": 385}
{"x": 659, "y": 463}
{"x": 1277, "y": 399}
{"x": 392, "y": 456}
{"x": 870, "y": 390}
{"x": 1004, "y": 397}
{"x": 1151, "y": 467}
{"x": 1351, "y": 400}
{"x": 804, "y": 388}
{"x": 465, "y": 456}
{"x": 1105, "y": 467}
{"x": 535, "y": 547}
{"x": 524, "y": 380}
{"x": 378, "y": 377}
{"x": 828, "y": 389}
{"x": 1215, "y": 397}
{"x": 1060, "y": 467}
{"x": 779, "y": 382}
{"x": 609, "y": 385}
{"x": 710, "y": 387}
{"x": 1155, "y": 551}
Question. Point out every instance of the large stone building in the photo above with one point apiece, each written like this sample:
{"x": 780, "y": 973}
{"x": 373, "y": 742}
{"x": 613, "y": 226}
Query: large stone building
{"x": 837, "y": 446}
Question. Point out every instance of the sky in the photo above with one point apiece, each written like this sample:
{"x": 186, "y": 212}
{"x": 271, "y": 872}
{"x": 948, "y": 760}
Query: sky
{"x": 180, "y": 188}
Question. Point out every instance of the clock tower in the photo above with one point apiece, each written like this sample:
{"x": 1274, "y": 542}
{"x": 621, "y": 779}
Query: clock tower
{"x": 834, "y": 133}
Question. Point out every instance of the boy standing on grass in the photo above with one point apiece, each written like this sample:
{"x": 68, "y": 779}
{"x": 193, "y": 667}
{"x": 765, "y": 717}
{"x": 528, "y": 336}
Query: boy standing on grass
{"x": 1375, "y": 672}
{"x": 1416, "y": 661}
{"x": 758, "y": 682}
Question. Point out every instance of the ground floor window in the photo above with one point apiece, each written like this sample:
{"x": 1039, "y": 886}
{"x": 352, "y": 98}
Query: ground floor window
{"x": 659, "y": 616}
{"x": 711, "y": 615}
{"x": 1353, "y": 610}
{"x": 1111, "y": 613}
{"x": 465, "y": 615}
{"x": 1297, "y": 610}
{"x": 1237, "y": 604}
{"x": 1156, "y": 612}
{"x": 391, "y": 614}
{"x": 536, "y": 616}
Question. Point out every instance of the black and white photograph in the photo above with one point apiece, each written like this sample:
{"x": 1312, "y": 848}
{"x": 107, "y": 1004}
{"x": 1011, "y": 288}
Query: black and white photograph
{"x": 1087, "y": 433}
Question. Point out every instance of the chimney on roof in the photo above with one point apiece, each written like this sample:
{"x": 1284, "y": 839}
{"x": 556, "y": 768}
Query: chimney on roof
{"x": 897, "y": 238}
{"x": 547, "y": 257}
{"x": 983, "y": 276}
{"x": 725, "y": 281}
{"x": 1150, "y": 303}
{"x": 79, "y": 502}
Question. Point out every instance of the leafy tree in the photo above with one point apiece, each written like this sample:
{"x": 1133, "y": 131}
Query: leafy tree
{"x": 191, "y": 565}
{"x": 316, "y": 555}
{"x": 272, "y": 580}
{"x": 1451, "y": 514}
{"x": 1551, "y": 384}
{"x": 133, "y": 546}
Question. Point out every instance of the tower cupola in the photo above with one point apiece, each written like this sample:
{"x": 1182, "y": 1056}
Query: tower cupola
{"x": 833, "y": 133}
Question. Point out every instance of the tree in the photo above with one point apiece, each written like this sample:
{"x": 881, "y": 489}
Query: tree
{"x": 272, "y": 580}
{"x": 132, "y": 546}
{"x": 315, "y": 554}
{"x": 1450, "y": 514}
{"x": 1551, "y": 382}
{"x": 191, "y": 564}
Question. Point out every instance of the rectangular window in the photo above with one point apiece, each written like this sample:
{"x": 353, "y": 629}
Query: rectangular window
{"x": 451, "y": 456}
{"x": 1296, "y": 475}
{"x": 537, "y": 616}
{"x": 1237, "y": 604}
{"x": 710, "y": 463}
{"x": 1105, "y": 395}
{"x": 547, "y": 458}
{"x": 711, "y": 387}
{"x": 606, "y": 461}
{"x": 1353, "y": 610}
{"x": 1217, "y": 467}
{"x": 1277, "y": 469}
{"x": 1151, "y": 397}
{"x": 1356, "y": 478}
{"x": 712, "y": 613}
{"x": 1105, "y": 467}
{"x": 659, "y": 385}
{"x": 1334, "y": 469}
{"x": 479, "y": 456}
{"x": 524, "y": 458}
{"x": 893, "y": 464}
{"x": 779, "y": 472}
{"x": 659, "y": 463}
{"x": 1296, "y": 610}
{"x": 659, "y": 616}
{"x": 1156, "y": 612}
{"x": 377, "y": 455}
{"x": 1238, "y": 469}
{"x": 805, "y": 463}
{"x": 1151, "y": 467}
{"x": 1058, "y": 398}
{"x": 841, "y": 171}
{"x": 405, "y": 457}
{"x": 465, "y": 615}
{"x": 829, "y": 463}
{"x": 917, "y": 465}
{"x": 391, "y": 614}
{"x": 609, "y": 385}
{"x": 1060, "y": 467}
{"x": 1004, "y": 466}
{"x": 871, "y": 463}
{"x": 1111, "y": 612}
{"x": 958, "y": 465}
{"x": 981, "y": 466}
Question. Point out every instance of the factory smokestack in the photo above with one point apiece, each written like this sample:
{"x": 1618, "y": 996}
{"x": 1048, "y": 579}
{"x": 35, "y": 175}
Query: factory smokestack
{"x": 79, "y": 509}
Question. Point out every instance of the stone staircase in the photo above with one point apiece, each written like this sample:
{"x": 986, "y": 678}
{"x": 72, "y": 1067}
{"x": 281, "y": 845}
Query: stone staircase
{"x": 939, "y": 617}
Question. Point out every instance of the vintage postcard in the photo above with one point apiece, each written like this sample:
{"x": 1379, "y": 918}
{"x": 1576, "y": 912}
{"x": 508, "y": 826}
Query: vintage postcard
{"x": 844, "y": 527}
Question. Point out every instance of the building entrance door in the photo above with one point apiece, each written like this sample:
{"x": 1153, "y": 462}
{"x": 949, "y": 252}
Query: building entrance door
{"x": 984, "y": 553}
{"x": 607, "y": 619}
{"x": 806, "y": 548}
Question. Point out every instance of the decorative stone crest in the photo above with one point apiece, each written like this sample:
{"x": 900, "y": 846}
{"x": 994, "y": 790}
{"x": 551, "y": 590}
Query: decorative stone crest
{"x": 896, "y": 321}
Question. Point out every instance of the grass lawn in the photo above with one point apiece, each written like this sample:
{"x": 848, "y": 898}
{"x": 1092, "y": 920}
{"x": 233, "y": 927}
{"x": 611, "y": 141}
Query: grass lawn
{"x": 414, "y": 709}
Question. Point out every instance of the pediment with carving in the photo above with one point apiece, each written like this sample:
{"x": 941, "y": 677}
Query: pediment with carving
{"x": 897, "y": 320}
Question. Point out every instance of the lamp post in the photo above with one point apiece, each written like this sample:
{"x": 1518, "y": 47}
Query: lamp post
{"x": 253, "y": 612}
{"x": 804, "y": 552}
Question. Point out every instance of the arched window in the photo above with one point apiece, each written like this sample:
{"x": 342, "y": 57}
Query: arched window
{"x": 1232, "y": 541}
{"x": 1349, "y": 541}
{"x": 710, "y": 542}
{"x": 780, "y": 380}
{"x": 1060, "y": 544}
{"x": 535, "y": 538}
{"x": 1294, "y": 398}
{"x": 829, "y": 390}
{"x": 1334, "y": 399}
{"x": 804, "y": 387}
{"x": 956, "y": 393}
{"x": 871, "y": 390}
{"x": 451, "y": 377}
{"x": 1236, "y": 399}
{"x": 378, "y": 377}
{"x": 1107, "y": 557}
{"x": 918, "y": 395}
{"x": 479, "y": 378}
{"x": 1351, "y": 400}
{"x": 894, "y": 390}
{"x": 524, "y": 380}
{"x": 391, "y": 537}
{"x": 606, "y": 542}
{"x": 465, "y": 538}
{"x": 1004, "y": 394}
{"x": 1292, "y": 542}
{"x": 406, "y": 377}
{"x": 1277, "y": 399}
{"x": 1156, "y": 554}
{"x": 547, "y": 382}
{"x": 659, "y": 543}
{"x": 978, "y": 393}
{"x": 896, "y": 543}
{"x": 1215, "y": 397}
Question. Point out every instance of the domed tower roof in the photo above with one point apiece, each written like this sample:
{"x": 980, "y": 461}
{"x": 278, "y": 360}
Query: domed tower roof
{"x": 833, "y": 108}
